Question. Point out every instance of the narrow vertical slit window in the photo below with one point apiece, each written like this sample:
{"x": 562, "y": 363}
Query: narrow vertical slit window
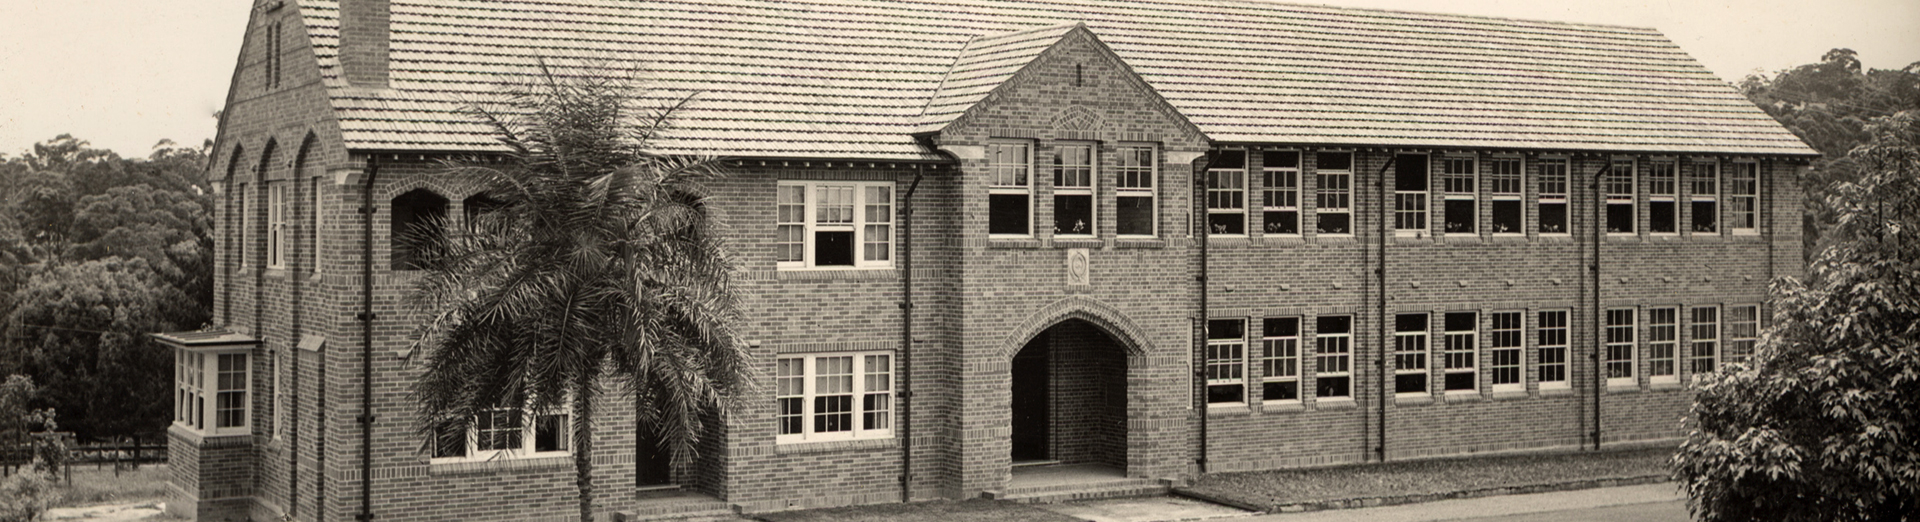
{"x": 1663, "y": 214}
{"x": 1073, "y": 175}
{"x": 1743, "y": 197}
{"x": 1010, "y": 189}
{"x": 1552, "y": 346}
{"x": 1462, "y": 352}
{"x": 1135, "y": 210}
{"x": 1410, "y": 355}
{"x": 319, "y": 220}
{"x": 1553, "y": 196}
{"x": 1620, "y": 195}
{"x": 1704, "y": 198}
{"x": 1333, "y": 193}
{"x": 1743, "y": 331}
{"x": 1504, "y": 193}
{"x": 1281, "y": 202}
{"x": 1227, "y": 194}
{"x": 1460, "y": 181}
{"x": 277, "y": 225}
{"x": 1663, "y": 338}
{"x": 1226, "y": 361}
{"x": 1705, "y": 330}
{"x": 1410, "y": 187}
{"x": 1620, "y": 347}
{"x": 1280, "y": 359}
{"x": 1333, "y": 357}
{"x": 1504, "y": 342}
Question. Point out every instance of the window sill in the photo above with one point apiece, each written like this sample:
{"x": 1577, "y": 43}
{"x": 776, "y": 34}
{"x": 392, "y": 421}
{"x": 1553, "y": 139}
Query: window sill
{"x": 1283, "y": 239}
{"x": 274, "y": 272}
{"x": 1623, "y": 237}
{"x": 1012, "y": 242}
{"x": 802, "y": 448}
{"x": 1556, "y": 391}
{"x": 1668, "y": 386}
{"x": 1228, "y": 240}
{"x": 1663, "y": 236}
{"x": 495, "y": 465}
{"x": 1623, "y": 388}
{"x": 1556, "y": 238}
{"x": 1334, "y": 403}
{"x": 1413, "y": 399}
{"x": 1507, "y": 238}
{"x": 1078, "y": 242}
{"x": 1334, "y": 238}
{"x": 1509, "y": 395}
{"x": 1234, "y": 409}
{"x": 1462, "y": 237}
{"x": 1463, "y": 396}
{"x": 837, "y": 274}
{"x": 1421, "y": 237}
{"x": 1287, "y": 406}
{"x": 1705, "y": 236}
{"x": 1139, "y": 242}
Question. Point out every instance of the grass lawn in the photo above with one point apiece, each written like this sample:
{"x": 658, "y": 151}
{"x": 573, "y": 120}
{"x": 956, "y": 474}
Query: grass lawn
{"x": 936, "y": 511}
{"x": 1277, "y": 488}
{"x": 92, "y": 487}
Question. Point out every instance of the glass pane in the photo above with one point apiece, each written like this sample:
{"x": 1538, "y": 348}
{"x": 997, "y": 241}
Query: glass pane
{"x": 1007, "y": 214}
{"x": 1135, "y": 216}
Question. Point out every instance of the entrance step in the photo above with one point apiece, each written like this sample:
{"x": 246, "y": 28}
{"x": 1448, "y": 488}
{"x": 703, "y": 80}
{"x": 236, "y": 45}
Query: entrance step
{"x": 1065, "y": 483}
{"x": 678, "y": 506}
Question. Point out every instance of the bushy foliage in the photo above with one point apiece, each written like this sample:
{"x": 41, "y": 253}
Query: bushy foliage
{"x": 26, "y": 495}
{"x": 1823, "y": 424}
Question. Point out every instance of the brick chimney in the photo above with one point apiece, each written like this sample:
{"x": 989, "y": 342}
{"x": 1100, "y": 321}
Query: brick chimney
{"x": 364, "y": 41}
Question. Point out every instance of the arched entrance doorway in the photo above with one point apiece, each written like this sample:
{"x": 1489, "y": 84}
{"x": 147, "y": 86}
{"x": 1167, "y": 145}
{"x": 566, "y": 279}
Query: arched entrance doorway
{"x": 1069, "y": 398}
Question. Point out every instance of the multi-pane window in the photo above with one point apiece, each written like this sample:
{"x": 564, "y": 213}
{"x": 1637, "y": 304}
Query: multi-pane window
{"x": 1662, "y": 191}
{"x": 1410, "y": 193}
{"x": 189, "y": 391}
{"x": 1704, "y": 197}
{"x": 833, "y": 397}
{"x": 1462, "y": 351}
{"x": 1333, "y": 356}
{"x": 1280, "y": 359}
{"x": 1619, "y": 347}
{"x": 834, "y": 224}
{"x": 1333, "y": 193}
{"x": 1743, "y": 197}
{"x": 1136, "y": 167}
{"x": 1410, "y": 354}
{"x": 1227, "y": 194}
{"x": 506, "y": 432}
{"x": 1010, "y": 188}
{"x": 1073, "y": 177}
{"x": 1705, "y": 339}
{"x": 1280, "y": 206}
{"x": 1552, "y": 196}
{"x": 1226, "y": 361}
{"x": 1504, "y": 191}
{"x": 1620, "y": 193}
{"x": 230, "y": 391}
{"x": 1504, "y": 341}
{"x": 1460, "y": 184}
{"x": 1743, "y": 331}
{"x": 277, "y": 225}
{"x": 1551, "y": 347}
{"x": 1663, "y": 338}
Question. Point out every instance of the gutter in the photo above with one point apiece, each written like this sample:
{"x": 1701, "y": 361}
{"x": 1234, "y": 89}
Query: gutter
{"x": 905, "y": 428}
{"x": 366, "y": 348}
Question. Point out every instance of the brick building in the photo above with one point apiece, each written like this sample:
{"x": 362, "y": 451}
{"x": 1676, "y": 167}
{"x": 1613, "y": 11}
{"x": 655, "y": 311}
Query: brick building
{"x": 1474, "y": 235}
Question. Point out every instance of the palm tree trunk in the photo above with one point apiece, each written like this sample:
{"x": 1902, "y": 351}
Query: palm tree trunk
{"x": 583, "y": 396}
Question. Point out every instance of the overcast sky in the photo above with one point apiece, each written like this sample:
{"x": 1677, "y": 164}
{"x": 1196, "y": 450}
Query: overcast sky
{"x": 125, "y": 74}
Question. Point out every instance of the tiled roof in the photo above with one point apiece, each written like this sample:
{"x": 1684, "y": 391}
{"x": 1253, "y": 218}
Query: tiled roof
{"x": 855, "y": 78}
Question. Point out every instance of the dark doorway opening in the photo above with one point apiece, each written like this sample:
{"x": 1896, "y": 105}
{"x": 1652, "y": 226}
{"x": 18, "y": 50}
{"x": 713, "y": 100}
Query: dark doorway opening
{"x": 1069, "y": 398}
{"x": 654, "y": 467}
{"x": 1030, "y": 402}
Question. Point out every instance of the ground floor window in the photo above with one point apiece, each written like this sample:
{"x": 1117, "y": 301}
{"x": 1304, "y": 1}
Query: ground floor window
{"x": 1552, "y": 346}
{"x": 1743, "y": 331}
{"x": 1280, "y": 359}
{"x": 1226, "y": 361}
{"x": 1410, "y": 354}
{"x": 1705, "y": 339}
{"x": 1333, "y": 356}
{"x": 836, "y": 396}
{"x": 1503, "y": 347}
{"x": 226, "y": 378}
{"x": 506, "y": 432}
{"x": 1462, "y": 352}
{"x": 1620, "y": 346}
{"x": 1663, "y": 336}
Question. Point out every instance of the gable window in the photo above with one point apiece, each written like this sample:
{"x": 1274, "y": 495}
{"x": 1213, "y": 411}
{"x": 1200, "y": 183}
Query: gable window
{"x": 1503, "y": 346}
{"x": 1743, "y": 196}
{"x": 1227, "y": 194}
{"x": 1662, "y": 191}
{"x": 1704, "y": 197}
{"x": 1463, "y": 351}
{"x": 847, "y": 224}
{"x": 1619, "y": 347}
{"x": 227, "y": 377}
{"x": 1503, "y": 187}
{"x": 822, "y": 397}
{"x": 1743, "y": 331}
{"x": 1663, "y": 337}
{"x": 1333, "y": 357}
{"x": 1461, "y": 183}
{"x": 1553, "y": 196}
{"x": 1620, "y": 194}
{"x": 277, "y": 225}
{"x": 1705, "y": 339}
{"x": 1410, "y": 354}
{"x": 1280, "y": 204}
{"x": 1280, "y": 359}
{"x": 418, "y": 216}
{"x": 1333, "y": 193}
{"x": 506, "y": 432}
{"x": 1410, "y": 194}
{"x": 1010, "y": 189}
{"x": 1134, "y": 204}
{"x": 1552, "y": 347}
{"x": 1226, "y": 361}
{"x": 1073, "y": 176}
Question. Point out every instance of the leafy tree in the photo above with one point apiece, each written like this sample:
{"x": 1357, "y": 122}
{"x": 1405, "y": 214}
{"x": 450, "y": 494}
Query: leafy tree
{"x": 600, "y": 264}
{"x": 1822, "y": 425}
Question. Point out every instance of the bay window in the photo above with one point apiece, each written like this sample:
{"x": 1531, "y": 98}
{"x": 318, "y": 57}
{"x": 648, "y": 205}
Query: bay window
{"x": 225, "y": 378}
{"x": 834, "y": 224}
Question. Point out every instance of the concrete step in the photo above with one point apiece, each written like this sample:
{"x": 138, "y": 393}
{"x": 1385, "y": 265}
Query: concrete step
{"x": 1085, "y": 490}
{"x": 677, "y": 506}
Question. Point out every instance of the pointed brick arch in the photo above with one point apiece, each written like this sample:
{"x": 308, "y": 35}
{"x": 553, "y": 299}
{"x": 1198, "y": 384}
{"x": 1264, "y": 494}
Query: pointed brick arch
{"x": 1093, "y": 311}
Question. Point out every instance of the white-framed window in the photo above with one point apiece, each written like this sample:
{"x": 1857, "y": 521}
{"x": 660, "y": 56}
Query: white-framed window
{"x": 1227, "y": 194}
{"x": 1504, "y": 343}
{"x": 246, "y": 225}
{"x": 1551, "y": 347}
{"x": 506, "y": 432}
{"x": 834, "y": 396}
{"x": 1462, "y": 352}
{"x": 1280, "y": 359}
{"x": 1619, "y": 186}
{"x": 1506, "y": 216}
{"x": 1226, "y": 361}
{"x": 279, "y": 399}
{"x": 277, "y": 225}
{"x": 1073, "y": 180}
{"x": 1620, "y": 347}
{"x": 1663, "y": 192}
{"x": 1410, "y": 355}
{"x": 1743, "y": 332}
{"x": 1136, "y": 209}
{"x": 1410, "y": 188}
{"x": 1705, "y": 339}
{"x": 1704, "y": 197}
{"x": 834, "y": 224}
{"x": 1460, "y": 184}
{"x": 1333, "y": 193}
{"x": 318, "y": 218}
{"x": 1743, "y": 197}
{"x": 1333, "y": 357}
{"x": 1280, "y": 203}
{"x": 1010, "y": 188}
{"x": 223, "y": 377}
{"x": 1663, "y": 344}
{"x": 1552, "y": 196}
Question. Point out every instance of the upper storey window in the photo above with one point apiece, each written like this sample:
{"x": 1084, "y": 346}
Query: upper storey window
{"x": 1461, "y": 182}
{"x": 1663, "y": 191}
{"x": 1333, "y": 193}
{"x": 1620, "y": 194}
{"x": 1227, "y": 194}
{"x": 1410, "y": 194}
{"x": 1136, "y": 168}
{"x": 1705, "y": 197}
{"x": 1073, "y": 176}
{"x": 1743, "y": 195}
{"x": 1552, "y": 196}
{"x": 418, "y": 220}
{"x": 1010, "y": 188}
{"x": 1503, "y": 188}
{"x": 844, "y": 224}
{"x": 1280, "y": 205}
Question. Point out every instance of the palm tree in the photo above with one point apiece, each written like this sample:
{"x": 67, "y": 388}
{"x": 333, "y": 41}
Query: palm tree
{"x": 598, "y": 264}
